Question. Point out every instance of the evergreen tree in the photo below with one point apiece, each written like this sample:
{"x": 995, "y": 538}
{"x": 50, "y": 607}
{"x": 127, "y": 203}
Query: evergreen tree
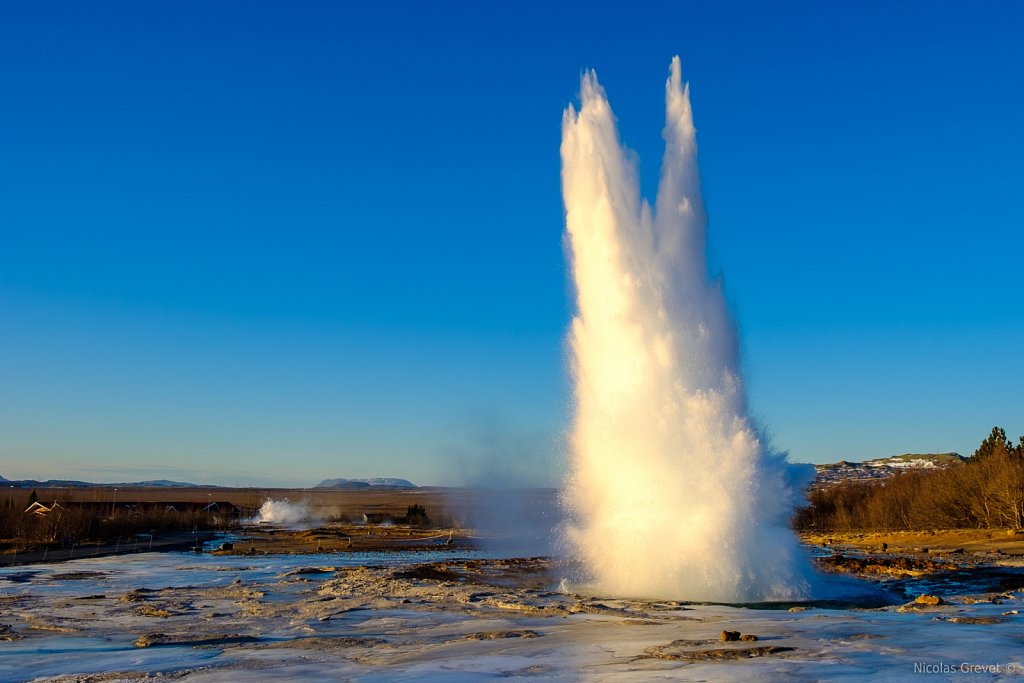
{"x": 416, "y": 515}
{"x": 995, "y": 443}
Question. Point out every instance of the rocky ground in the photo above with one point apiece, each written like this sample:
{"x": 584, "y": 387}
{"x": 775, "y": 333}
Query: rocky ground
{"x": 351, "y": 616}
{"x": 343, "y": 538}
{"x": 263, "y": 539}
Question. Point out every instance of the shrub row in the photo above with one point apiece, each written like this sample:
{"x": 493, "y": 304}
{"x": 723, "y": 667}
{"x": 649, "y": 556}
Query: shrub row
{"x": 986, "y": 492}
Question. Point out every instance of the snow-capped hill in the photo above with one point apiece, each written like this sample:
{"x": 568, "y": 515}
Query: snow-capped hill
{"x": 918, "y": 461}
{"x": 845, "y": 471}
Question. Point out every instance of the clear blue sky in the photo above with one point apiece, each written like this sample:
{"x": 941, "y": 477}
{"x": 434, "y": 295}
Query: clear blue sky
{"x": 270, "y": 243}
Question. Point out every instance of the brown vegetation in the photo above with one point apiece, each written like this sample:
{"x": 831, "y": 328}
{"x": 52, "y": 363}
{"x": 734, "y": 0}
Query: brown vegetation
{"x": 105, "y": 513}
{"x": 38, "y": 524}
{"x": 987, "y": 492}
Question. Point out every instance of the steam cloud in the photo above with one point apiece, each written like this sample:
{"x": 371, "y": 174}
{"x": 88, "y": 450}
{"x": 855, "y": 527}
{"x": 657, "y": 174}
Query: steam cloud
{"x": 671, "y": 490}
{"x": 284, "y": 512}
{"x": 504, "y": 465}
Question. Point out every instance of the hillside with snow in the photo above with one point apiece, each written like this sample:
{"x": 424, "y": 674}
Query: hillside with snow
{"x": 844, "y": 471}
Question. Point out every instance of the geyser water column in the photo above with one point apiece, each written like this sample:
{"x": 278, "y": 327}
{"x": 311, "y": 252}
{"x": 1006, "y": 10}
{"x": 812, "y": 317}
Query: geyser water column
{"x": 671, "y": 491}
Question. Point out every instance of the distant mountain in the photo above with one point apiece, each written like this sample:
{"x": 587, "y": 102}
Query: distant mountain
{"x": 373, "y": 483}
{"x": 55, "y": 483}
{"x": 72, "y": 483}
{"x": 845, "y": 471}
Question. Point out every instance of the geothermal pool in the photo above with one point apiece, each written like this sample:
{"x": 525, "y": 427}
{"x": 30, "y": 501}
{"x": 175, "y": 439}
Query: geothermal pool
{"x": 456, "y": 617}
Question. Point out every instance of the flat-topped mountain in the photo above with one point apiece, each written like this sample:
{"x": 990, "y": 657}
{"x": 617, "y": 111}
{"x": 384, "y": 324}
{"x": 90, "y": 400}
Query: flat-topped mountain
{"x": 374, "y": 482}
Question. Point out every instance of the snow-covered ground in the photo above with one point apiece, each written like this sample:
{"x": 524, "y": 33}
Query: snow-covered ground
{"x": 388, "y": 617}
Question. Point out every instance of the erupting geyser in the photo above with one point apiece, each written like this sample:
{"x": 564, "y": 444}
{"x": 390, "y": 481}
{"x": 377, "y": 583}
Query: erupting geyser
{"x": 284, "y": 512}
{"x": 672, "y": 492}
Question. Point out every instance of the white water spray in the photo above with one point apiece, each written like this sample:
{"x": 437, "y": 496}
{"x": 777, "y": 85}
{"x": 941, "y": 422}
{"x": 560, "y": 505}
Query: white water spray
{"x": 672, "y": 492}
{"x": 284, "y": 512}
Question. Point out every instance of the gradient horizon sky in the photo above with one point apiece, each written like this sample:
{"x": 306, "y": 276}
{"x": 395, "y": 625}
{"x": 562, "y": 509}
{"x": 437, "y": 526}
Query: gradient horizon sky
{"x": 270, "y": 243}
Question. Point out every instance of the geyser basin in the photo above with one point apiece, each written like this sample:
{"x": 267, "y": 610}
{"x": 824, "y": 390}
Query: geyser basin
{"x": 672, "y": 492}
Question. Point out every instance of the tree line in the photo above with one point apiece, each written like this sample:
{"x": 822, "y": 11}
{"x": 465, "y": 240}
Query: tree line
{"x": 986, "y": 492}
{"x": 21, "y": 528}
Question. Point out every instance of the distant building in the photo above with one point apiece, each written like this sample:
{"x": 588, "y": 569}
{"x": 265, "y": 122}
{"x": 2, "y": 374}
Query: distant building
{"x": 38, "y": 508}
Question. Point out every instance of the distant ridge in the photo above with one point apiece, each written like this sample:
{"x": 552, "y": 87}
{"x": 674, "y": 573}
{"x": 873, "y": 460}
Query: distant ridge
{"x": 73, "y": 483}
{"x": 372, "y": 483}
{"x": 846, "y": 471}
{"x": 168, "y": 483}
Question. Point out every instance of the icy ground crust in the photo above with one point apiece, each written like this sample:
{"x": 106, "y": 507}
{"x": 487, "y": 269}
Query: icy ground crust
{"x": 409, "y": 617}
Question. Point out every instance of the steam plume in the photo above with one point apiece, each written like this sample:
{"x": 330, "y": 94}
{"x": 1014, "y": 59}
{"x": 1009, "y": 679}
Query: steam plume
{"x": 285, "y": 513}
